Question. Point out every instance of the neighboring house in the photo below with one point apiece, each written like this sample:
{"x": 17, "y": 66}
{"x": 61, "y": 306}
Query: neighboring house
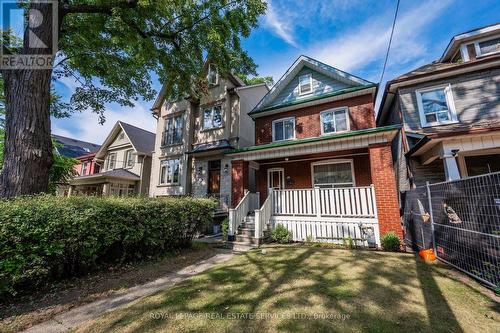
{"x": 87, "y": 165}
{"x": 73, "y": 148}
{"x": 450, "y": 112}
{"x": 318, "y": 151}
{"x": 193, "y": 134}
{"x": 124, "y": 162}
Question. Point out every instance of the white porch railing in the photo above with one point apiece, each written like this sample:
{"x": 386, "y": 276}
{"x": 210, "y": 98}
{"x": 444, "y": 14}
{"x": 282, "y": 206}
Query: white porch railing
{"x": 249, "y": 203}
{"x": 328, "y": 214}
{"x": 326, "y": 202}
{"x": 263, "y": 215}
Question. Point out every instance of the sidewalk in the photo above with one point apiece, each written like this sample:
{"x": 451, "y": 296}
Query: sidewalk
{"x": 73, "y": 318}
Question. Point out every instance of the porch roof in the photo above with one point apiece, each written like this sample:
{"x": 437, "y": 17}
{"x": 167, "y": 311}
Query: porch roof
{"x": 335, "y": 142}
{"x": 98, "y": 178}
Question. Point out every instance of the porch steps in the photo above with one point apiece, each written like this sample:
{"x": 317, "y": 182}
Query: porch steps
{"x": 244, "y": 238}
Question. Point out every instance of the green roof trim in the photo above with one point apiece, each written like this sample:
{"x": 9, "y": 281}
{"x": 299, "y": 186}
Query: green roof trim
{"x": 312, "y": 98}
{"x": 315, "y": 139}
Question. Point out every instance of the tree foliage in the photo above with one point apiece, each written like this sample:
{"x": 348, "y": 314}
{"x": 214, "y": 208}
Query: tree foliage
{"x": 112, "y": 47}
{"x": 257, "y": 79}
{"x": 62, "y": 170}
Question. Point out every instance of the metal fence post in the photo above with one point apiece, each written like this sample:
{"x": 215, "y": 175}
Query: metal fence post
{"x": 429, "y": 199}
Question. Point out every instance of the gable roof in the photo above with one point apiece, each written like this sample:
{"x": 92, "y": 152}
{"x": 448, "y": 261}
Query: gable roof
{"x": 143, "y": 141}
{"x": 353, "y": 83}
{"x": 467, "y": 36}
{"x": 73, "y": 147}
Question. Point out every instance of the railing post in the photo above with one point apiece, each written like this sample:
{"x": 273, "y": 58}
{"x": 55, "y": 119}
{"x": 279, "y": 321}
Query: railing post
{"x": 429, "y": 198}
{"x": 375, "y": 214}
{"x": 230, "y": 233}
{"x": 317, "y": 202}
{"x": 258, "y": 227}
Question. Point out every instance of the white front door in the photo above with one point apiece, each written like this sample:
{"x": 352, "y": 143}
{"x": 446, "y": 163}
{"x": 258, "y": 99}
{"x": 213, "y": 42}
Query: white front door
{"x": 276, "y": 178}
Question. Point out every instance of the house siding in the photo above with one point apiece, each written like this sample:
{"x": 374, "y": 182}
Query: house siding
{"x": 321, "y": 84}
{"x": 307, "y": 120}
{"x": 238, "y": 128}
{"x": 476, "y": 97}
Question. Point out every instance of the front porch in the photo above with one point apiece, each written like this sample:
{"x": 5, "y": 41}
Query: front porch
{"x": 328, "y": 192}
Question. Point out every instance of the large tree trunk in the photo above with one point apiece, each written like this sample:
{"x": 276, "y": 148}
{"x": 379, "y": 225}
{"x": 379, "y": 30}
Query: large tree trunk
{"x": 28, "y": 145}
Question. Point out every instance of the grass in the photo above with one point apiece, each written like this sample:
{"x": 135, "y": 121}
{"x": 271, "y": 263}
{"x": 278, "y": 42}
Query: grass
{"x": 288, "y": 288}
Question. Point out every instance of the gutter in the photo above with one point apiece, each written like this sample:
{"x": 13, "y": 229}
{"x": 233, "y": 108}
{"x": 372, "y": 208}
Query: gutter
{"x": 372, "y": 130}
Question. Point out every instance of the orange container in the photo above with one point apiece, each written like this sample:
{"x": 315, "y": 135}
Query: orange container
{"x": 427, "y": 255}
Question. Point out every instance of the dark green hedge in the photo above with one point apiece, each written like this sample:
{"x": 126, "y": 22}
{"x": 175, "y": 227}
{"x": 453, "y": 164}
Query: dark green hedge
{"x": 47, "y": 238}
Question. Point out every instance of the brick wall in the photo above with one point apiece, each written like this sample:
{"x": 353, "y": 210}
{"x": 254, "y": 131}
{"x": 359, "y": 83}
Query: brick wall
{"x": 239, "y": 181}
{"x": 383, "y": 178}
{"x": 307, "y": 120}
{"x": 299, "y": 172}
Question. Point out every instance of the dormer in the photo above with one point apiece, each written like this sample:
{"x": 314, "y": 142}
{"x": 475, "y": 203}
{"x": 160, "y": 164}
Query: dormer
{"x": 473, "y": 45}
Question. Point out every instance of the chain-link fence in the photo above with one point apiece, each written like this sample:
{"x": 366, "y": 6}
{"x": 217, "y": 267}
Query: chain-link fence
{"x": 461, "y": 221}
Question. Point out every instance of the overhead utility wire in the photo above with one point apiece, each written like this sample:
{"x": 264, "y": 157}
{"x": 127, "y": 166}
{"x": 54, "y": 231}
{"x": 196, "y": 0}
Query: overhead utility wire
{"x": 390, "y": 42}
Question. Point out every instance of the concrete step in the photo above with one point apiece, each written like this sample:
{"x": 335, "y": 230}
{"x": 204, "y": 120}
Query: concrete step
{"x": 240, "y": 247}
{"x": 248, "y": 225}
{"x": 246, "y": 231}
{"x": 250, "y": 240}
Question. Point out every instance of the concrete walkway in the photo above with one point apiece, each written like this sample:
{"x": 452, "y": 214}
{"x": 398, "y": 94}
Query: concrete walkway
{"x": 75, "y": 317}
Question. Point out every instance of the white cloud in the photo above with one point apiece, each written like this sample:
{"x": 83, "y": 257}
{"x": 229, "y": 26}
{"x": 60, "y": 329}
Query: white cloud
{"x": 85, "y": 126}
{"x": 366, "y": 44}
{"x": 280, "y": 24}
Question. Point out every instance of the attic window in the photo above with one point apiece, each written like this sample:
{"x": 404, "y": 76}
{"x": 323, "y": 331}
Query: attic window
{"x": 213, "y": 75}
{"x": 305, "y": 84}
{"x": 486, "y": 47}
{"x": 121, "y": 136}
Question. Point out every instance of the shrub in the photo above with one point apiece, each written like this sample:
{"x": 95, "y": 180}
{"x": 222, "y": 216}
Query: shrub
{"x": 281, "y": 234}
{"x": 225, "y": 228}
{"x": 47, "y": 238}
{"x": 348, "y": 243}
{"x": 390, "y": 241}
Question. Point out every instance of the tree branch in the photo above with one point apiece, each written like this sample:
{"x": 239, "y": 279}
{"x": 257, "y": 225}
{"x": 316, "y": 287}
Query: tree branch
{"x": 96, "y": 9}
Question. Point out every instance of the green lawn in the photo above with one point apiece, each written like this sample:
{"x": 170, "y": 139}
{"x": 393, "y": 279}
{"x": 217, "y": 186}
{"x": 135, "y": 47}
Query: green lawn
{"x": 289, "y": 287}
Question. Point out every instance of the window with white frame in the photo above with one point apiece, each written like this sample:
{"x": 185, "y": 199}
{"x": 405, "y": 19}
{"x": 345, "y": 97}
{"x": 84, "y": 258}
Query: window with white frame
{"x": 84, "y": 168}
{"x": 334, "y": 120}
{"x": 129, "y": 158}
{"x": 436, "y": 105}
{"x": 305, "y": 84}
{"x": 170, "y": 172}
{"x": 212, "y": 75}
{"x": 284, "y": 129}
{"x": 333, "y": 174}
{"x": 486, "y": 47}
{"x": 173, "y": 130}
{"x": 111, "y": 161}
{"x": 212, "y": 117}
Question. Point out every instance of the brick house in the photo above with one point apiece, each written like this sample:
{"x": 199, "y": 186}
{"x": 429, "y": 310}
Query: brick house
{"x": 319, "y": 165}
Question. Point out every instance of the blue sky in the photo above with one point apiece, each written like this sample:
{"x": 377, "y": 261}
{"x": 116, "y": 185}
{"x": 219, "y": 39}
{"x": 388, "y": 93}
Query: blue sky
{"x": 351, "y": 35}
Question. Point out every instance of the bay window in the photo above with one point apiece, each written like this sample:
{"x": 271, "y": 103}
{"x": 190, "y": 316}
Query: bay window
{"x": 334, "y": 120}
{"x": 170, "y": 172}
{"x": 333, "y": 174}
{"x": 284, "y": 129}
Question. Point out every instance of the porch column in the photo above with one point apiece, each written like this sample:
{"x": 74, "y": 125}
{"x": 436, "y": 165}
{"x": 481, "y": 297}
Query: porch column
{"x": 386, "y": 193}
{"x": 239, "y": 181}
{"x": 451, "y": 168}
